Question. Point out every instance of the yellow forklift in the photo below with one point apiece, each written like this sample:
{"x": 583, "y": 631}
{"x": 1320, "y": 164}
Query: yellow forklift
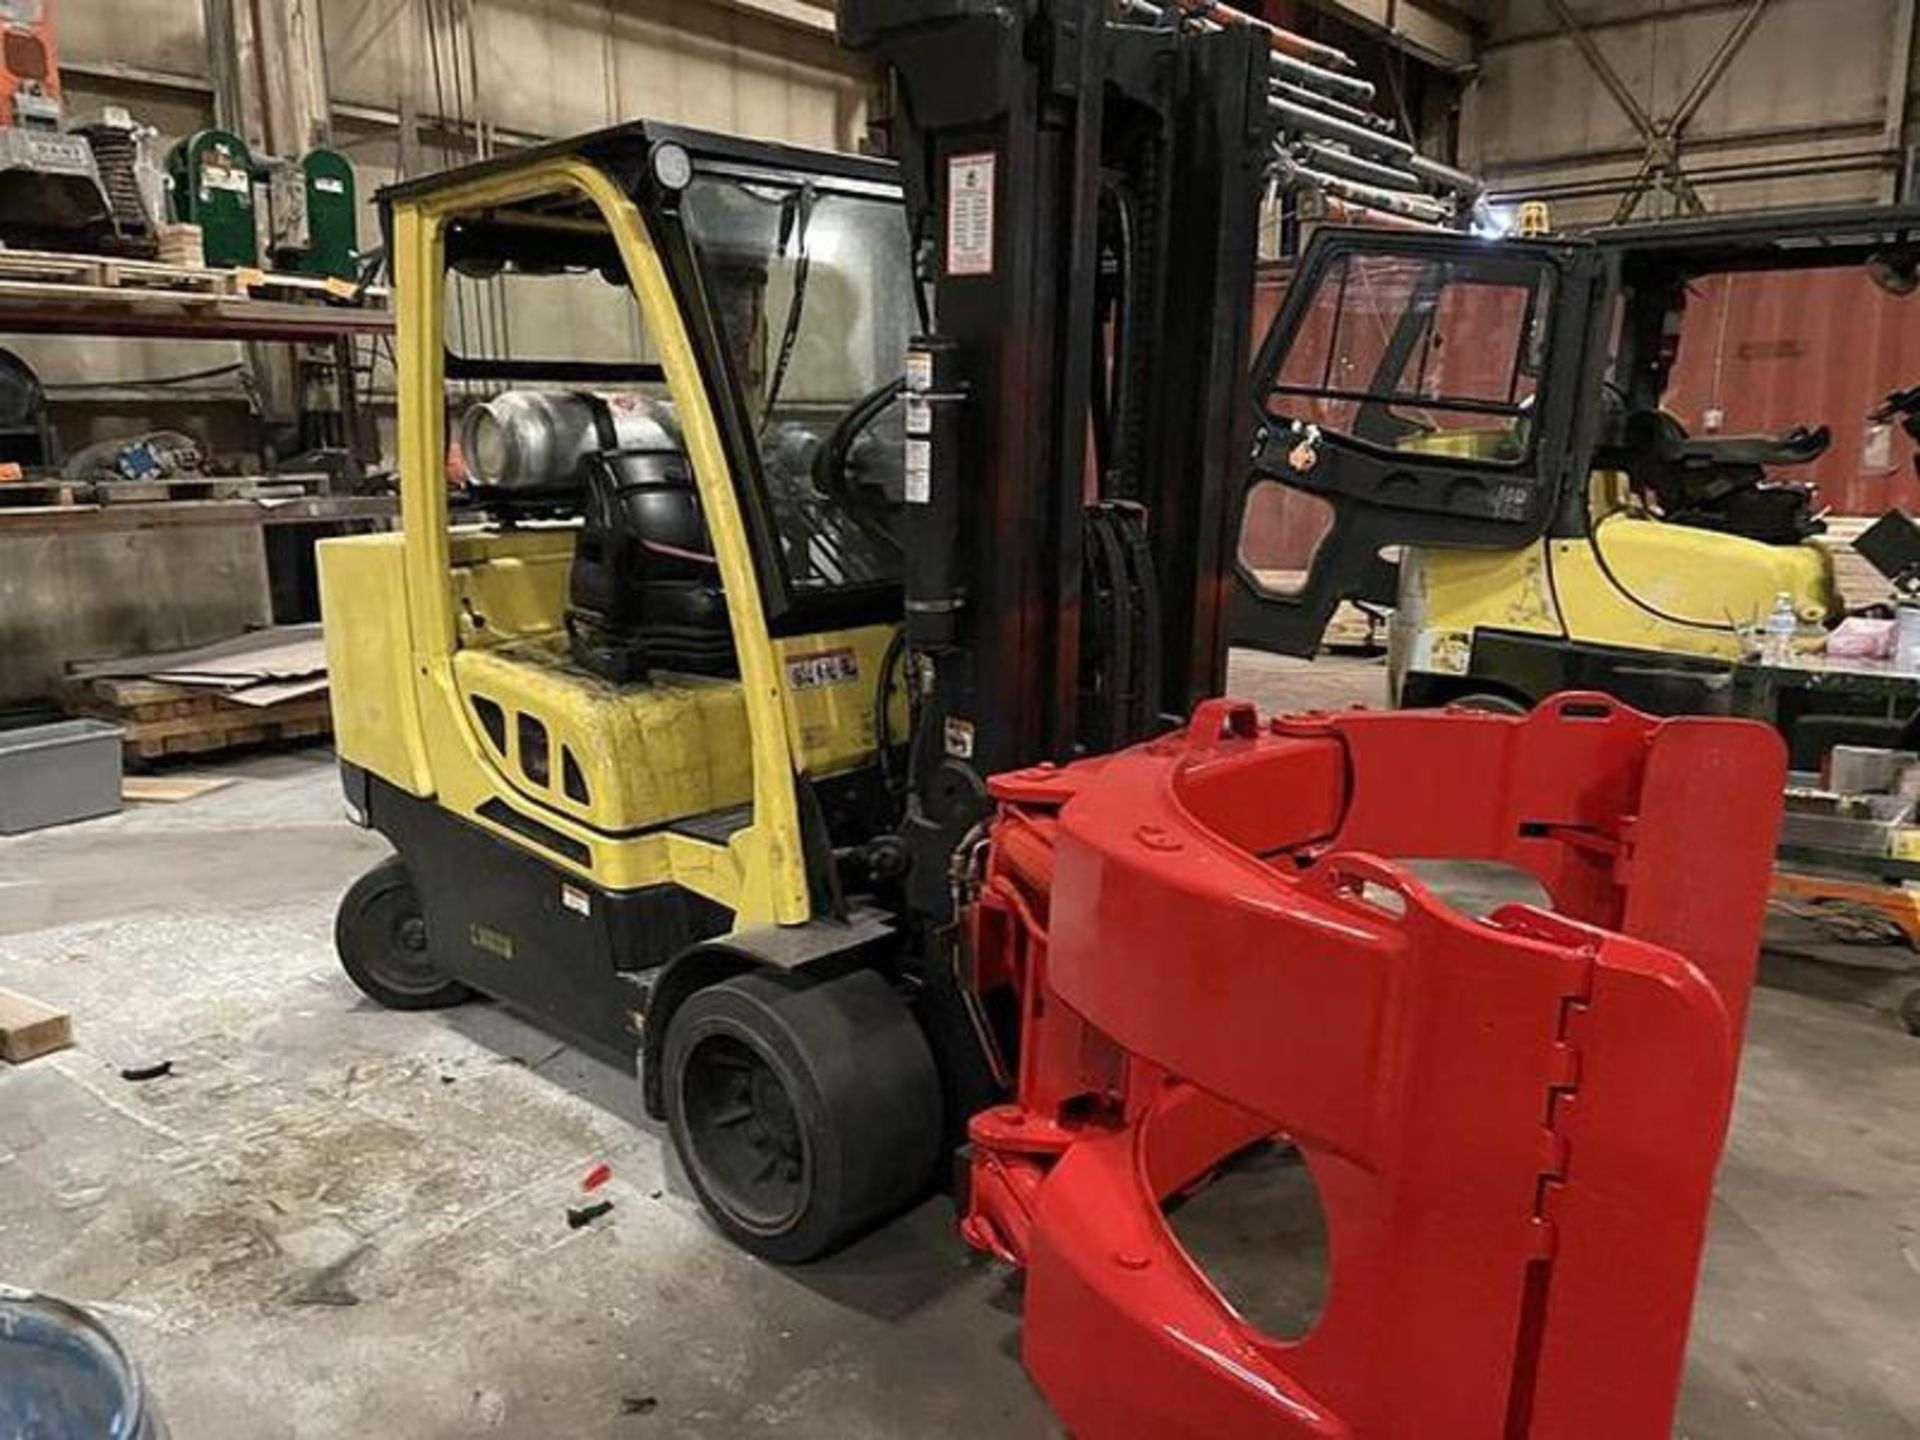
{"x": 616, "y": 692}
{"x": 677, "y": 688}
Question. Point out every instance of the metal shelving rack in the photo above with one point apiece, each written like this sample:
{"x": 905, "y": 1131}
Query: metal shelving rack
{"x": 191, "y": 305}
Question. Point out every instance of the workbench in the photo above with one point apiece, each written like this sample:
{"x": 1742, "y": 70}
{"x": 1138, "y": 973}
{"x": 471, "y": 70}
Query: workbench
{"x": 1829, "y": 875}
{"x": 1759, "y": 690}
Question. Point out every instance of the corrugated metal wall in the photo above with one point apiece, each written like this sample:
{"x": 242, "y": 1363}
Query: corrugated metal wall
{"x": 557, "y": 67}
{"x": 1810, "y": 109}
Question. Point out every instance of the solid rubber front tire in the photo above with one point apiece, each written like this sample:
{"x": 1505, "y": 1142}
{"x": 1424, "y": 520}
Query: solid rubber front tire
{"x": 380, "y": 934}
{"x": 803, "y": 1112}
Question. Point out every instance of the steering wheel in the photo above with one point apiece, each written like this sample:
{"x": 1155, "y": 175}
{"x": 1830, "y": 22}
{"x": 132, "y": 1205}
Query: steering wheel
{"x": 835, "y": 465}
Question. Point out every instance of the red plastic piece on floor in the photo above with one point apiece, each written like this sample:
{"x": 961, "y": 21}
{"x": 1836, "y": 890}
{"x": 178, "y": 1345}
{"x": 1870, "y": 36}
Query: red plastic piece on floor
{"x": 597, "y": 1176}
{"x": 1513, "y": 1122}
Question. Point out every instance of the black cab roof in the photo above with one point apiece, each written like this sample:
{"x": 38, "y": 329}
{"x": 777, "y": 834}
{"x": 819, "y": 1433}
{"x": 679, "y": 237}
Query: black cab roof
{"x": 620, "y": 148}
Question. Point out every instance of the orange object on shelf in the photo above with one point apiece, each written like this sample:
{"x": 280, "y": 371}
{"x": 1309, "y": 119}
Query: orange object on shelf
{"x": 29, "y": 65}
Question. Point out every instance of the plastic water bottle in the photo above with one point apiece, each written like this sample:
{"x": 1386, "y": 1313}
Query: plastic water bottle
{"x": 1776, "y": 646}
{"x": 1906, "y": 651}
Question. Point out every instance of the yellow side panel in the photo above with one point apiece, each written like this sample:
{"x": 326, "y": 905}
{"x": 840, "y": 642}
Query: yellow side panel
{"x": 1607, "y": 591}
{"x": 1610, "y": 588}
{"x": 376, "y": 709}
{"x": 510, "y": 585}
{"x": 829, "y": 688}
{"x": 761, "y": 872}
{"x": 470, "y": 777}
{"x": 642, "y": 755}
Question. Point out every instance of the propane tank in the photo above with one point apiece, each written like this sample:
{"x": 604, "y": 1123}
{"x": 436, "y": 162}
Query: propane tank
{"x": 537, "y": 439}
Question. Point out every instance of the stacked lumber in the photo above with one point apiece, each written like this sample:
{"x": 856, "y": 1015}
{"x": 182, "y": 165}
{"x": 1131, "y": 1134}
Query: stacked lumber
{"x": 182, "y": 245}
{"x": 267, "y": 686}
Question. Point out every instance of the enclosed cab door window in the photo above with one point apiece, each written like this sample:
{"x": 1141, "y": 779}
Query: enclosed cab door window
{"x": 1407, "y": 352}
{"x": 1415, "y": 390}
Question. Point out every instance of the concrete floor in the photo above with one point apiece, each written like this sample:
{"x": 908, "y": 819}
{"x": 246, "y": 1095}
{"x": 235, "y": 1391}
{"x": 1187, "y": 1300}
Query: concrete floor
{"x": 332, "y": 1220}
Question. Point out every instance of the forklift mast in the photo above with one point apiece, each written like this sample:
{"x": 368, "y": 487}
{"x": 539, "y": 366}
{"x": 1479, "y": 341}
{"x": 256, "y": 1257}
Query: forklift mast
{"x": 1083, "y": 197}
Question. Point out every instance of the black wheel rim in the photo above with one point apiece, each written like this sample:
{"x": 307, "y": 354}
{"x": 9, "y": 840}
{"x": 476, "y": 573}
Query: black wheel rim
{"x": 744, "y": 1134}
{"x": 398, "y": 935}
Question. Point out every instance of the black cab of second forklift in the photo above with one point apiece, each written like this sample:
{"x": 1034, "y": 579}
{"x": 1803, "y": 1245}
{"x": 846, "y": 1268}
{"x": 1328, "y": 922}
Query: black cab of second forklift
{"x": 1490, "y": 427}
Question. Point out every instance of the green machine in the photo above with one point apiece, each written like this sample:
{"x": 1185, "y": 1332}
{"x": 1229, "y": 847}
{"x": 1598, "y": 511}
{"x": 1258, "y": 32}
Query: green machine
{"x": 310, "y": 226}
{"x": 328, "y": 242}
{"x": 210, "y": 184}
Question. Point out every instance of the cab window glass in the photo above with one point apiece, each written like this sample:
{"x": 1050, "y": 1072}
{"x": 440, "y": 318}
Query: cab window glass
{"x": 1417, "y": 353}
{"x": 542, "y": 281}
{"x": 813, "y": 293}
{"x": 539, "y": 321}
{"x": 545, "y": 315}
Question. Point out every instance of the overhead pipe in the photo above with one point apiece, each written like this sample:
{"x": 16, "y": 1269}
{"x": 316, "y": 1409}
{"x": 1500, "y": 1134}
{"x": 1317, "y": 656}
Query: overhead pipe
{"x": 1420, "y": 207}
{"x": 1355, "y": 132}
{"x": 1286, "y": 42}
{"x": 1743, "y": 173}
{"x": 1339, "y": 109}
{"x": 1354, "y": 167}
{"x": 1353, "y": 152}
{"x": 1351, "y": 212}
{"x": 1301, "y": 119}
{"x": 1352, "y": 89}
{"x": 1305, "y": 74}
{"x": 1444, "y": 177}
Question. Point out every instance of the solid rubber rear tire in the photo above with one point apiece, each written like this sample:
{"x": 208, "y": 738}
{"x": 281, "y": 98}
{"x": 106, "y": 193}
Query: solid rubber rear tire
{"x": 836, "y": 1093}
{"x": 380, "y": 936}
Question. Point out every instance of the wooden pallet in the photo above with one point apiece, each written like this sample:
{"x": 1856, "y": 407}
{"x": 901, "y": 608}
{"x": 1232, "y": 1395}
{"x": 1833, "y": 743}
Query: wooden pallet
{"x": 199, "y": 487}
{"x": 26, "y": 494}
{"x": 162, "y": 719}
{"x": 283, "y": 285}
{"x": 111, "y": 272}
{"x": 18, "y": 494}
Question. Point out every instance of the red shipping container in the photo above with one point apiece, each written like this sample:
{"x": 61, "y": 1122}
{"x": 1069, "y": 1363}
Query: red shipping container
{"x": 1765, "y": 352}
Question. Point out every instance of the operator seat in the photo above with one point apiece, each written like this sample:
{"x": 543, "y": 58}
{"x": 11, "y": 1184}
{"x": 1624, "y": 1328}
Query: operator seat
{"x": 644, "y": 589}
{"x": 1721, "y": 484}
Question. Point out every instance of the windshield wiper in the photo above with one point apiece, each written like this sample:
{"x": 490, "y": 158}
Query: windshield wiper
{"x": 800, "y": 218}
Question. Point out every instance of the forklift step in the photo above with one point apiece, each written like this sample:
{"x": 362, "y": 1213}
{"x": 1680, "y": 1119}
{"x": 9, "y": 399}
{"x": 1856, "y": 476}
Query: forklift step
{"x": 716, "y": 827}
